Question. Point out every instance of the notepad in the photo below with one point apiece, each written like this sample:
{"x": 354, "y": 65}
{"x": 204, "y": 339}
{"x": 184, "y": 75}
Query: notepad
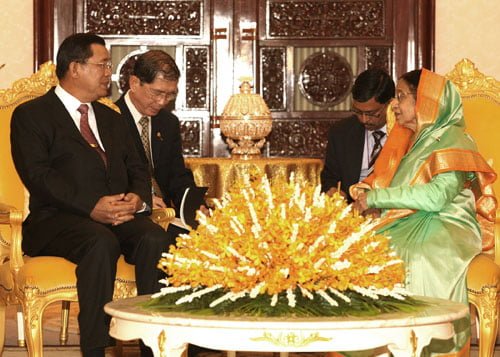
{"x": 191, "y": 201}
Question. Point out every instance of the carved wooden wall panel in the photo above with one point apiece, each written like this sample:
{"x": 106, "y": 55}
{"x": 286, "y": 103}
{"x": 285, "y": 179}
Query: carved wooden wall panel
{"x": 273, "y": 72}
{"x": 379, "y": 57}
{"x": 329, "y": 42}
{"x": 324, "y": 74}
{"x": 191, "y": 133}
{"x": 125, "y": 71}
{"x": 325, "y": 78}
{"x": 139, "y": 17}
{"x": 326, "y": 19}
{"x": 298, "y": 138}
{"x": 216, "y": 42}
{"x": 196, "y": 64}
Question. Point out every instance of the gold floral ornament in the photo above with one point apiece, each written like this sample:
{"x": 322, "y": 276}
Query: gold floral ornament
{"x": 283, "y": 241}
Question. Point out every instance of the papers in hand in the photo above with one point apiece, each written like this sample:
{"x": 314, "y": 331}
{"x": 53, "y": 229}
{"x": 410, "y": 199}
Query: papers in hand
{"x": 192, "y": 199}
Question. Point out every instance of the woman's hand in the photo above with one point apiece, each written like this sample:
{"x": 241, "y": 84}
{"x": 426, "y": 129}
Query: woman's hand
{"x": 360, "y": 204}
{"x": 373, "y": 212}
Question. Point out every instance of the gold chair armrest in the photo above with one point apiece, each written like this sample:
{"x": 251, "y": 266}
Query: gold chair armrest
{"x": 14, "y": 218}
{"x": 162, "y": 216}
{"x": 497, "y": 237}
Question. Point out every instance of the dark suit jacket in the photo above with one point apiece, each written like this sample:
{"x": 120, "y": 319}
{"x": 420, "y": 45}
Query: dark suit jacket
{"x": 344, "y": 155}
{"x": 166, "y": 144}
{"x": 59, "y": 168}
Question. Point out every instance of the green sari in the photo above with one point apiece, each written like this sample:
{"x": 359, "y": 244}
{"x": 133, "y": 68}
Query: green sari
{"x": 438, "y": 233}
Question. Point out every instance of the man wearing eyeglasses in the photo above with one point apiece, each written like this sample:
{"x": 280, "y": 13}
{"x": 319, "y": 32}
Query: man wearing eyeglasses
{"x": 355, "y": 142}
{"x": 156, "y": 131}
{"x": 87, "y": 183}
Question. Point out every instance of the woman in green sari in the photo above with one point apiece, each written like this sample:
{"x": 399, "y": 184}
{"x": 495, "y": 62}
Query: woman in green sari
{"x": 429, "y": 183}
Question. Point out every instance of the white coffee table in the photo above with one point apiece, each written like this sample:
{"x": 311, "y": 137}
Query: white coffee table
{"x": 168, "y": 334}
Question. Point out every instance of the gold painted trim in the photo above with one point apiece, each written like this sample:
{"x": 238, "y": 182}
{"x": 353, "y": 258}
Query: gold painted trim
{"x": 162, "y": 340}
{"x": 108, "y": 102}
{"x": 414, "y": 343}
{"x": 48, "y": 292}
{"x": 471, "y": 83}
{"x": 290, "y": 339}
{"x": 28, "y": 88}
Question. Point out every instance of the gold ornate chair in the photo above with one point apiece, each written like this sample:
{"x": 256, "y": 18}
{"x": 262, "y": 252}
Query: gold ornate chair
{"x": 36, "y": 282}
{"x": 481, "y": 100}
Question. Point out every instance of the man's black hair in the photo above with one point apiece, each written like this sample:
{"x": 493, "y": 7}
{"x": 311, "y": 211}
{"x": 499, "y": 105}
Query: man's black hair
{"x": 373, "y": 83}
{"x": 75, "y": 48}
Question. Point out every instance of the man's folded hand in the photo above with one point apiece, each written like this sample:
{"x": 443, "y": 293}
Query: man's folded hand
{"x": 115, "y": 209}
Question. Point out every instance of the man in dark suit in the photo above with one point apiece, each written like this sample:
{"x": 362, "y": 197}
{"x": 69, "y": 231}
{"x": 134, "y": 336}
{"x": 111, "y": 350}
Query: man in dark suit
{"x": 156, "y": 131}
{"x": 355, "y": 142}
{"x": 87, "y": 185}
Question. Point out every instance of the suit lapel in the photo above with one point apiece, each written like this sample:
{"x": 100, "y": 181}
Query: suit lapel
{"x": 103, "y": 129}
{"x": 127, "y": 115}
{"x": 157, "y": 137}
{"x": 61, "y": 115}
{"x": 357, "y": 144}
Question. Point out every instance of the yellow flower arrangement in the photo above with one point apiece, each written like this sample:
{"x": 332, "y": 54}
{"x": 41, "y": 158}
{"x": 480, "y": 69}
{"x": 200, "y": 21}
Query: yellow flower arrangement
{"x": 283, "y": 238}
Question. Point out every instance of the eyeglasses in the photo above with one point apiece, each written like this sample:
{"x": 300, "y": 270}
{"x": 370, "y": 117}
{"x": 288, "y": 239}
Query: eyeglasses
{"x": 402, "y": 95}
{"x": 103, "y": 65}
{"x": 157, "y": 95}
{"x": 377, "y": 114}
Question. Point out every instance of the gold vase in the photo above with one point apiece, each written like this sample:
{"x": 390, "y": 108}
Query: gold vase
{"x": 246, "y": 121}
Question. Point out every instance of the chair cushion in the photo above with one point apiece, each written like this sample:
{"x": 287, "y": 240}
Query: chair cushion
{"x": 482, "y": 272}
{"x": 125, "y": 272}
{"x": 49, "y": 273}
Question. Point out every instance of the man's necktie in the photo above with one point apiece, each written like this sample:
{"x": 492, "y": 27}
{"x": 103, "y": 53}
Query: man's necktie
{"x": 144, "y": 122}
{"x": 87, "y": 132}
{"x": 377, "y": 147}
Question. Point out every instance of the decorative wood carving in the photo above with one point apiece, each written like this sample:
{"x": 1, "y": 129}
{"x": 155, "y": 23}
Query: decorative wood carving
{"x": 125, "y": 69}
{"x": 138, "y": 17}
{"x": 379, "y": 57}
{"x": 397, "y": 35}
{"x": 273, "y": 64}
{"x": 196, "y": 77}
{"x": 472, "y": 83}
{"x": 29, "y": 88}
{"x": 326, "y": 19}
{"x": 325, "y": 78}
{"x": 299, "y": 138}
{"x": 191, "y": 136}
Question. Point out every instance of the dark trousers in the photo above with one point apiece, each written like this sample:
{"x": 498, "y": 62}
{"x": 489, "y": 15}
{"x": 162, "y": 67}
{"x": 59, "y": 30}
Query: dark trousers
{"x": 95, "y": 249}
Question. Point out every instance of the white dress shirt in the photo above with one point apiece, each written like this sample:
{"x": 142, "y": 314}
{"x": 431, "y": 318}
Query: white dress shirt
{"x": 71, "y": 104}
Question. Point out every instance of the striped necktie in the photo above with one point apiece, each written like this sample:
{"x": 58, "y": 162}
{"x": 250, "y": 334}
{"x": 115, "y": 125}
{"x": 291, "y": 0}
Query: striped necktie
{"x": 144, "y": 123}
{"x": 377, "y": 147}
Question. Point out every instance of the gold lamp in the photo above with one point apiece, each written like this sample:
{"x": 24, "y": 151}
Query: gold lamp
{"x": 246, "y": 121}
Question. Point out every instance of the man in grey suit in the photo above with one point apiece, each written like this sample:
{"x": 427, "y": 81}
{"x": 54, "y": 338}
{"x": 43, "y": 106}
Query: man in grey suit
{"x": 355, "y": 142}
{"x": 88, "y": 187}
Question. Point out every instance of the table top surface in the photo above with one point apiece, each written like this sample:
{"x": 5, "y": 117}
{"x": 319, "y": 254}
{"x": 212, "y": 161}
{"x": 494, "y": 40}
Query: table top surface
{"x": 436, "y": 311}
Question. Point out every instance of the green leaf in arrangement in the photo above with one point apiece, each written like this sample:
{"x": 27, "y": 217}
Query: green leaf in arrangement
{"x": 260, "y": 306}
